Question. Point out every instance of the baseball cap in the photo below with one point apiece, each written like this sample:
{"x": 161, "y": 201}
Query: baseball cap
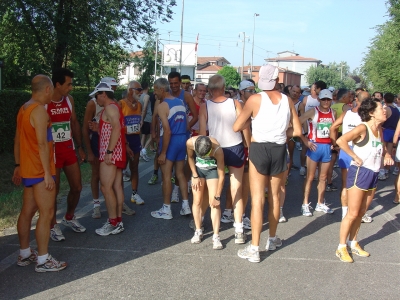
{"x": 101, "y": 87}
{"x": 325, "y": 94}
{"x": 267, "y": 77}
{"x": 245, "y": 84}
{"x": 110, "y": 80}
{"x": 331, "y": 88}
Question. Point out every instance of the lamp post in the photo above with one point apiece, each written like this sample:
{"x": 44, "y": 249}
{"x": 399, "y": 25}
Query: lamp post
{"x": 252, "y": 49}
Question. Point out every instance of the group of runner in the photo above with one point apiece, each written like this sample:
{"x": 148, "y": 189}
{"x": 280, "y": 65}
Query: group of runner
{"x": 201, "y": 135}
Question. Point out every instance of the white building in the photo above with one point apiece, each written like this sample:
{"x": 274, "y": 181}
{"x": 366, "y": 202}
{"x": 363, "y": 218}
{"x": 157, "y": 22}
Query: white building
{"x": 208, "y": 66}
{"x": 294, "y": 62}
{"x": 130, "y": 72}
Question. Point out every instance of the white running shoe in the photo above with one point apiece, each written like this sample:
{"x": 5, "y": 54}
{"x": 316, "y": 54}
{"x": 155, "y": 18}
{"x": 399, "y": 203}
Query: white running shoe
{"x": 96, "y": 213}
{"x": 282, "y": 218}
{"x": 198, "y": 236}
{"x": 127, "y": 210}
{"x": 305, "y": 210}
{"x": 272, "y": 244}
{"x": 217, "y": 245}
{"x": 246, "y": 223}
{"x": 323, "y": 208}
{"x": 56, "y": 234}
{"x": 162, "y": 213}
{"x": 175, "y": 196}
{"x": 73, "y": 224}
{"x": 302, "y": 171}
{"x": 137, "y": 199}
{"x": 185, "y": 210}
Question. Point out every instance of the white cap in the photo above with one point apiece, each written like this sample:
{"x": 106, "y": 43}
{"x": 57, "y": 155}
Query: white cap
{"x": 101, "y": 87}
{"x": 267, "y": 77}
{"x": 110, "y": 80}
{"x": 325, "y": 94}
{"x": 331, "y": 88}
{"x": 245, "y": 84}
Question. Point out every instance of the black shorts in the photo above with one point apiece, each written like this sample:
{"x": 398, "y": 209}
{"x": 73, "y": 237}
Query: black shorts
{"x": 207, "y": 174}
{"x": 234, "y": 156}
{"x": 145, "y": 128}
{"x": 94, "y": 144}
{"x": 268, "y": 158}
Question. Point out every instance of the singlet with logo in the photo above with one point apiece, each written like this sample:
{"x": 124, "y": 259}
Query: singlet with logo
{"x": 350, "y": 121}
{"x": 369, "y": 150}
{"x": 60, "y": 114}
{"x": 205, "y": 163}
{"x": 105, "y": 129}
{"x": 132, "y": 117}
{"x": 311, "y": 103}
{"x": 31, "y": 164}
{"x": 318, "y": 128}
{"x": 391, "y": 122}
{"x": 338, "y": 108}
{"x": 220, "y": 119}
{"x": 176, "y": 117}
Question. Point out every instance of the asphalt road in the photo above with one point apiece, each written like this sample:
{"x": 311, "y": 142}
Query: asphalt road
{"x": 153, "y": 258}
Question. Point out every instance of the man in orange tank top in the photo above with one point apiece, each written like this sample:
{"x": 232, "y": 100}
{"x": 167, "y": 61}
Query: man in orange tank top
{"x": 34, "y": 166}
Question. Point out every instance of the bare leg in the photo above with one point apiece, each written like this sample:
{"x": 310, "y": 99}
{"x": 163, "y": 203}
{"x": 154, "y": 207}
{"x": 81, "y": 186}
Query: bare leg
{"x": 311, "y": 167}
{"x": 197, "y": 204}
{"x": 323, "y": 170}
{"x": 107, "y": 182}
{"x": 118, "y": 191}
{"x": 94, "y": 182}
{"x": 73, "y": 174}
{"x": 212, "y": 185}
{"x": 28, "y": 210}
{"x": 180, "y": 175}
{"x": 166, "y": 170}
{"x": 273, "y": 202}
{"x": 236, "y": 175}
{"x": 343, "y": 195}
{"x": 134, "y": 168}
{"x": 330, "y": 169}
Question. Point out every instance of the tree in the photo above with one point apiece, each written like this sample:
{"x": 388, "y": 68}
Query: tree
{"x": 334, "y": 74}
{"x": 44, "y": 35}
{"x": 232, "y": 77}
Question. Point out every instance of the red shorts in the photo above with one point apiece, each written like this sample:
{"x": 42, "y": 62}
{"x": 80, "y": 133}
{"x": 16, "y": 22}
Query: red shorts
{"x": 65, "y": 159}
{"x": 119, "y": 164}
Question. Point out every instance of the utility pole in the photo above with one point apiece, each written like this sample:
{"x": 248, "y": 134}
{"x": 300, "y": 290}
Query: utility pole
{"x": 180, "y": 60}
{"x": 252, "y": 49}
{"x": 244, "y": 41}
{"x": 155, "y": 58}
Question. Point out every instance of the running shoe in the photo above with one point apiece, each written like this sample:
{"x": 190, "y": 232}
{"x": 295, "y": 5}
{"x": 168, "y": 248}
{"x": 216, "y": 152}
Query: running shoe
{"x": 127, "y": 210}
{"x": 153, "y": 180}
{"x": 249, "y": 254}
{"x": 175, "y": 196}
{"x": 302, "y": 171}
{"x": 126, "y": 178}
{"x": 162, "y": 213}
{"x": 108, "y": 229}
{"x": 366, "y": 219}
{"x": 330, "y": 188}
{"x": 73, "y": 224}
{"x": 51, "y": 264}
{"x": 56, "y": 234}
{"x": 193, "y": 225}
{"x": 282, "y": 218}
{"x": 272, "y": 244}
{"x": 323, "y": 208}
{"x": 137, "y": 199}
{"x": 185, "y": 210}
{"x": 246, "y": 223}
{"x": 357, "y": 250}
{"x": 22, "y": 262}
{"x": 227, "y": 219}
{"x": 144, "y": 156}
{"x": 344, "y": 255}
{"x": 217, "y": 245}
{"x": 396, "y": 171}
{"x": 334, "y": 175}
{"x": 383, "y": 176}
{"x": 240, "y": 238}
{"x": 198, "y": 236}
{"x": 96, "y": 213}
{"x": 305, "y": 210}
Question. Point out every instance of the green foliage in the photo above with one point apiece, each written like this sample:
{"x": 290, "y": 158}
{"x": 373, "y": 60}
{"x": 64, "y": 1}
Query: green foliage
{"x": 231, "y": 76}
{"x": 334, "y": 74}
{"x": 87, "y": 36}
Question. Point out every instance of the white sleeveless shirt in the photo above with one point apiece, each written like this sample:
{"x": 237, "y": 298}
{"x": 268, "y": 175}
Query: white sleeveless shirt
{"x": 311, "y": 103}
{"x": 272, "y": 120}
{"x": 350, "y": 121}
{"x": 220, "y": 119}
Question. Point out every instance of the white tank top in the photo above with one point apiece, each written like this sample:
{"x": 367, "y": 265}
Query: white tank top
{"x": 311, "y": 103}
{"x": 99, "y": 109}
{"x": 272, "y": 120}
{"x": 369, "y": 150}
{"x": 221, "y": 116}
{"x": 350, "y": 121}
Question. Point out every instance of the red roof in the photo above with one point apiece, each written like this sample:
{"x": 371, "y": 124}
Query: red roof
{"x": 205, "y": 59}
{"x": 212, "y": 68}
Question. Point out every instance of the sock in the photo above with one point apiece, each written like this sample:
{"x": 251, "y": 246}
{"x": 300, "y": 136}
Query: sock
{"x": 69, "y": 217}
{"x": 344, "y": 211}
{"x": 238, "y": 227}
{"x": 176, "y": 189}
{"x": 41, "y": 259}
{"x": 155, "y": 172}
{"x": 134, "y": 192}
{"x": 96, "y": 202}
{"x": 113, "y": 222}
{"x": 119, "y": 219}
{"x": 24, "y": 253}
{"x": 351, "y": 244}
{"x": 167, "y": 207}
{"x": 199, "y": 231}
{"x": 215, "y": 236}
{"x": 254, "y": 248}
{"x": 341, "y": 246}
{"x": 227, "y": 212}
{"x": 185, "y": 203}
{"x": 272, "y": 238}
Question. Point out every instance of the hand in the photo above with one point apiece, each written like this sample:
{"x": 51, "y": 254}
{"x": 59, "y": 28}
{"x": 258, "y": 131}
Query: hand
{"x": 93, "y": 126}
{"x": 141, "y": 123}
{"x": 82, "y": 155}
{"x": 16, "y": 178}
{"x": 161, "y": 158}
{"x": 310, "y": 145}
{"x": 49, "y": 182}
{"x": 90, "y": 157}
{"x": 129, "y": 151}
{"x": 214, "y": 203}
{"x": 108, "y": 159}
{"x": 196, "y": 184}
{"x": 358, "y": 161}
{"x": 388, "y": 160}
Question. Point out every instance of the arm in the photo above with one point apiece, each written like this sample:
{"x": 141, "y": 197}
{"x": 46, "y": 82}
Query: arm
{"x": 192, "y": 107}
{"x": 163, "y": 111}
{"x": 39, "y": 120}
{"x": 76, "y": 131}
{"x": 387, "y": 158}
{"x": 294, "y": 120}
{"x": 243, "y": 120}
{"x": 154, "y": 122}
{"x": 396, "y": 134}
{"x": 357, "y": 134}
{"x": 203, "y": 119}
{"x": 196, "y": 183}
{"x": 308, "y": 115}
{"x": 219, "y": 156}
{"x": 16, "y": 178}
{"x": 246, "y": 132}
{"x": 333, "y": 131}
{"x": 90, "y": 112}
{"x": 112, "y": 115}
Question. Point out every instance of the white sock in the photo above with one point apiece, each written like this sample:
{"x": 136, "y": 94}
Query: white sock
{"x": 215, "y": 236}
{"x": 41, "y": 259}
{"x": 176, "y": 189}
{"x": 227, "y": 212}
{"x": 273, "y": 238}
{"x": 344, "y": 211}
{"x": 351, "y": 244}
{"x": 24, "y": 253}
{"x": 96, "y": 202}
{"x": 185, "y": 203}
{"x": 341, "y": 246}
{"x": 167, "y": 206}
{"x": 238, "y": 227}
{"x": 199, "y": 231}
{"x": 254, "y": 248}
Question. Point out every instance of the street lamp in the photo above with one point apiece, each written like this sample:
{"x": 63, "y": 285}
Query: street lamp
{"x": 252, "y": 49}
{"x": 168, "y": 57}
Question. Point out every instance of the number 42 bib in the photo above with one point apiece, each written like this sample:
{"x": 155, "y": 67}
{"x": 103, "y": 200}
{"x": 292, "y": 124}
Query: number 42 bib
{"x": 61, "y": 131}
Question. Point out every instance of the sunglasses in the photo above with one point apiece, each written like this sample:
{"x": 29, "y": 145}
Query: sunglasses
{"x": 250, "y": 91}
{"x": 137, "y": 89}
{"x": 325, "y": 99}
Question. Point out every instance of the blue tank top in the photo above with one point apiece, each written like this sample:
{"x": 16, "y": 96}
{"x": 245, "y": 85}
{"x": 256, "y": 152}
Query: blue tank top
{"x": 391, "y": 122}
{"x": 176, "y": 118}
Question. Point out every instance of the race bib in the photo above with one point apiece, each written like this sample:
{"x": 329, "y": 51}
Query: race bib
{"x": 130, "y": 129}
{"x": 61, "y": 131}
{"x": 323, "y": 130}
{"x": 132, "y": 124}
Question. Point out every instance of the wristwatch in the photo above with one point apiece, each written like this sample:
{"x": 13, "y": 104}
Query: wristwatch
{"x": 109, "y": 151}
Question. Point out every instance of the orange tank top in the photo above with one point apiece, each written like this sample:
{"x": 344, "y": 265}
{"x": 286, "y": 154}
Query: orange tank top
{"x": 31, "y": 165}
{"x": 132, "y": 117}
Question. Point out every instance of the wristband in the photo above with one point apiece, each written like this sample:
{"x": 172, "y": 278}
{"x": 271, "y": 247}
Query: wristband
{"x": 195, "y": 177}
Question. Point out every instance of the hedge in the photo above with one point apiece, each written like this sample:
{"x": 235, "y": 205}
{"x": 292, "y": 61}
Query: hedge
{"x": 11, "y": 101}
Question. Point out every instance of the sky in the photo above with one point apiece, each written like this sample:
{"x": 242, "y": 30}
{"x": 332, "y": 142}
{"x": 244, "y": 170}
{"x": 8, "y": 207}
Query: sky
{"x": 328, "y": 30}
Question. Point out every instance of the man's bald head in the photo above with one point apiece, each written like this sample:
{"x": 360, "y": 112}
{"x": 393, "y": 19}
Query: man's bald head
{"x": 40, "y": 83}
{"x": 362, "y": 96}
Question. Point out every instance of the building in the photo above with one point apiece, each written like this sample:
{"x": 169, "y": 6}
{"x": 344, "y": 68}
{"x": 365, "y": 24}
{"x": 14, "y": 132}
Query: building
{"x": 292, "y": 61}
{"x": 130, "y": 72}
{"x": 208, "y": 66}
{"x": 285, "y": 76}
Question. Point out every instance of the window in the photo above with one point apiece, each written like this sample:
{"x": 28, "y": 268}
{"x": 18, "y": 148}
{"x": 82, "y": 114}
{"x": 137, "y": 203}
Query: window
{"x": 173, "y": 69}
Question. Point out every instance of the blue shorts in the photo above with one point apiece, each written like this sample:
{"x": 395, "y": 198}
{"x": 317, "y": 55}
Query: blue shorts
{"x": 177, "y": 147}
{"x": 388, "y": 135}
{"x": 234, "y": 156}
{"x": 29, "y": 182}
{"x": 94, "y": 144}
{"x": 344, "y": 159}
{"x": 321, "y": 154}
{"x": 134, "y": 142}
{"x": 361, "y": 178}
